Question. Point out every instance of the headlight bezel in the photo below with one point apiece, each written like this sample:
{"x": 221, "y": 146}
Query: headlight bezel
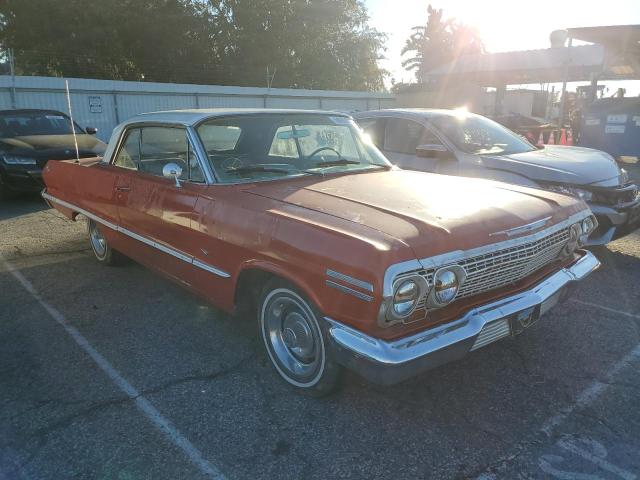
{"x": 422, "y": 288}
{"x": 18, "y": 160}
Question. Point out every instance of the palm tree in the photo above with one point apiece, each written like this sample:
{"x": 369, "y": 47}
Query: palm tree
{"x": 438, "y": 43}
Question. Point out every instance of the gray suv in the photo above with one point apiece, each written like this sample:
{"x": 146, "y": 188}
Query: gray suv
{"x": 454, "y": 142}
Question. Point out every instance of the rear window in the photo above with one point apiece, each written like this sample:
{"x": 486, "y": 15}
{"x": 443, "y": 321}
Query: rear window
{"x": 41, "y": 123}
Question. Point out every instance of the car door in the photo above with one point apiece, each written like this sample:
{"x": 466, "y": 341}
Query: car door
{"x": 158, "y": 211}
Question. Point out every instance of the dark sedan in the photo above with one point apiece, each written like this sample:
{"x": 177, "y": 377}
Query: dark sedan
{"x": 30, "y": 138}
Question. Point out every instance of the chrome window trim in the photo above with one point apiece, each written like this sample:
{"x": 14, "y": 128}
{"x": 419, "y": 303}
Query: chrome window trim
{"x": 347, "y": 279}
{"x": 201, "y": 155}
{"x": 349, "y": 291}
{"x": 147, "y": 241}
{"x": 457, "y": 255}
{"x": 192, "y": 138}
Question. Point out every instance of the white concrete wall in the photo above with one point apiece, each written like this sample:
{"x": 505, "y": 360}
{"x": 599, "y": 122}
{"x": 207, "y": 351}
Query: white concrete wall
{"x": 105, "y": 103}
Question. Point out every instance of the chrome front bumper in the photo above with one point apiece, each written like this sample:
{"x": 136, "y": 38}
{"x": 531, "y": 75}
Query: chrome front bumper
{"x": 391, "y": 362}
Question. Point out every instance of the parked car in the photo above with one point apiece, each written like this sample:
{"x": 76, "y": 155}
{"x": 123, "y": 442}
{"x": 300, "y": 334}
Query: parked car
{"x": 30, "y": 138}
{"x": 460, "y": 143}
{"x": 347, "y": 260}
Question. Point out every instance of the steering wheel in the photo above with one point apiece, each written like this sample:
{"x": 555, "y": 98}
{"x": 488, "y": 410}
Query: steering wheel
{"x": 318, "y": 150}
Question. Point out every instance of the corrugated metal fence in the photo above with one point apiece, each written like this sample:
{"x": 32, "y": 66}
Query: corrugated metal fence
{"x": 105, "y": 103}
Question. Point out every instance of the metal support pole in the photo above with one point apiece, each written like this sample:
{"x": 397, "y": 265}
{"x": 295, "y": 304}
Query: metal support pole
{"x": 115, "y": 106}
{"x": 501, "y": 91}
{"x": 563, "y": 98}
{"x": 12, "y": 69}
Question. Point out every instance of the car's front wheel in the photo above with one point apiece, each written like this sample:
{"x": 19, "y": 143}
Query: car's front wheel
{"x": 101, "y": 248}
{"x": 294, "y": 341}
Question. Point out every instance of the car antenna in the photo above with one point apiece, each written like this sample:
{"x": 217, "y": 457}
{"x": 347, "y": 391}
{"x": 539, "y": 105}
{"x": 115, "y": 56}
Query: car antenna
{"x": 73, "y": 128}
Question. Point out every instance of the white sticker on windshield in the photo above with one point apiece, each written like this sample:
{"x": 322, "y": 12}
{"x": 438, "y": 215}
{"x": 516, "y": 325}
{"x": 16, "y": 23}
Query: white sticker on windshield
{"x": 341, "y": 120}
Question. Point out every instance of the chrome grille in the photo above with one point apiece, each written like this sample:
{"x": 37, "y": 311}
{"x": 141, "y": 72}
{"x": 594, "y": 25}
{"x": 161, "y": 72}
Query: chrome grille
{"x": 506, "y": 266}
{"x": 491, "y": 332}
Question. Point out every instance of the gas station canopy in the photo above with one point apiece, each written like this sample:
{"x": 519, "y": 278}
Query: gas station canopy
{"x": 615, "y": 56}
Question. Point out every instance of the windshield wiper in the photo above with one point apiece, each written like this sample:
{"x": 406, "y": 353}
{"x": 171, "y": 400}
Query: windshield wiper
{"x": 257, "y": 168}
{"x": 336, "y": 163}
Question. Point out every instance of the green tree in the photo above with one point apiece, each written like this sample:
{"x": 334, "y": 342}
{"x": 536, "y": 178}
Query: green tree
{"x": 438, "y": 43}
{"x": 308, "y": 43}
{"x": 119, "y": 39}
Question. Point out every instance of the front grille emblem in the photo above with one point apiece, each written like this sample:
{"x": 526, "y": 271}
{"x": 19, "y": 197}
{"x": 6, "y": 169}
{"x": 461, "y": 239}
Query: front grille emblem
{"x": 523, "y": 228}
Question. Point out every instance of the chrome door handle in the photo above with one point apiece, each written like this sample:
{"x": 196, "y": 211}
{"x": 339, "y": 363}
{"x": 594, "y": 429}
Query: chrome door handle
{"x": 123, "y": 189}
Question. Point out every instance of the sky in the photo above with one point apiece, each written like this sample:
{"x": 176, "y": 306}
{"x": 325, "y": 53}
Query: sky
{"x": 505, "y": 25}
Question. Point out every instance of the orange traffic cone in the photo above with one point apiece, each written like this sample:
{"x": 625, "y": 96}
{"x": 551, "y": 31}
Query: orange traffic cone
{"x": 563, "y": 137}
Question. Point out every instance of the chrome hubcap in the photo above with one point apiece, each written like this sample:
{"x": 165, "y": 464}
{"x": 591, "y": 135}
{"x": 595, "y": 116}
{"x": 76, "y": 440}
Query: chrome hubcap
{"x": 292, "y": 336}
{"x": 98, "y": 242}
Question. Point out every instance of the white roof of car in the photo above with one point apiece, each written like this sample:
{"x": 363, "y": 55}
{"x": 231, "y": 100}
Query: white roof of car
{"x": 193, "y": 116}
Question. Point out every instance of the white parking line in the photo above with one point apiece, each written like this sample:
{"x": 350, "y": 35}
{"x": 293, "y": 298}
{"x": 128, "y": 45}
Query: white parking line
{"x": 592, "y": 392}
{"x": 588, "y": 396}
{"x": 607, "y": 309}
{"x": 154, "y": 416}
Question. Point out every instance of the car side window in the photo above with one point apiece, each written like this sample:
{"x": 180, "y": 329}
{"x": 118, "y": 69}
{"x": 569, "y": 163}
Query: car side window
{"x": 403, "y": 136}
{"x": 374, "y": 127}
{"x": 129, "y": 154}
{"x": 162, "y": 145}
{"x": 429, "y": 138}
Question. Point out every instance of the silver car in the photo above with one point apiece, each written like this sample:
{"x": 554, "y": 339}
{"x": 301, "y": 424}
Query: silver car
{"x": 455, "y": 142}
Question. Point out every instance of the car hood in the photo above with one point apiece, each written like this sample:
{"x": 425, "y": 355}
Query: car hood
{"x": 560, "y": 164}
{"x": 48, "y": 147}
{"x": 431, "y": 213}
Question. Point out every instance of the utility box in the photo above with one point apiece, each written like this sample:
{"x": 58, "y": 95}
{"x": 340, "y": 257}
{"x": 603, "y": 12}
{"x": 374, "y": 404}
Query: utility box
{"x": 613, "y": 125}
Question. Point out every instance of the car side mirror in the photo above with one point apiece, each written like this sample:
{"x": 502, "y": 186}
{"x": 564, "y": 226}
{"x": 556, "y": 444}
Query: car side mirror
{"x": 433, "y": 150}
{"x": 172, "y": 170}
{"x": 91, "y": 130}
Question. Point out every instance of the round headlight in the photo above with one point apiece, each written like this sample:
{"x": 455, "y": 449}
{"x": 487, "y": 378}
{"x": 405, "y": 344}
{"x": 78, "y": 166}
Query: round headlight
{"x": 405, "y": 297}
{"x": 588, "y": 225}
{"x": 445, "y": 286}
{"x": 446, "y": 283}
{"x": 574, "y": 236}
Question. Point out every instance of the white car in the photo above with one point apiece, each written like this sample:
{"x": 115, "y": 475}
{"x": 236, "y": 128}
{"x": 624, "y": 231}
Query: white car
{"x": 455, "y": 142}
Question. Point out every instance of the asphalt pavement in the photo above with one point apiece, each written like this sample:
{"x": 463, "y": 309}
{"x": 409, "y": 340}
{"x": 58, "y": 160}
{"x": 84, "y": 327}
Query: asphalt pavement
{"x": 117, "y": 373}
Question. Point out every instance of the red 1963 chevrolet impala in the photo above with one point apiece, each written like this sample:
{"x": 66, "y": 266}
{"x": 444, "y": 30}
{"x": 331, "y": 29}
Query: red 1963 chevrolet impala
{"x": 347, "y": 260}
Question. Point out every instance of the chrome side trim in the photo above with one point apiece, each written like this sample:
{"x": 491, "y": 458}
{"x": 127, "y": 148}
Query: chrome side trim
{"x": 90, "y": 215}
{"x": 347, "y": 279}
{"x": 389, "y": 362}
{"x": 350, "y": 291}
{"x": 209, "y": 268}
{"x": 147, "y": 241}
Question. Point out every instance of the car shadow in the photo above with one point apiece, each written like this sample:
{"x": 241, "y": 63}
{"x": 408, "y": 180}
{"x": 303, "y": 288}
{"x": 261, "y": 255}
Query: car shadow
{"x": 21, "y": 205}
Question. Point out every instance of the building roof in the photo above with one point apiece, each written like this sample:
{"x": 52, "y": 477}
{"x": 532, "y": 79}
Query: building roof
{"x": 529, "y": 66}
{"x": 615, "y": 37}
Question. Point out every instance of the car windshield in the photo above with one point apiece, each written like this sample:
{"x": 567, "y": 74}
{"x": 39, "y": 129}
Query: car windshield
{"x": 480, "y": 136}
{"x": 36, "y": 123}
{"x": 263, "y": 147}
